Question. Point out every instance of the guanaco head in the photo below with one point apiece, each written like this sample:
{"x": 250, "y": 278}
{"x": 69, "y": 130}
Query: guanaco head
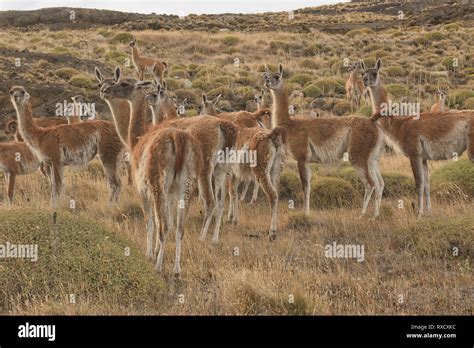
{"x": 158, "y": 94}
{"x": 370, "y": 76}
{"x": 77, "y": 99}
{"x": 125, "y": 88}
{"x": 209, "y": 106}
{"x": 264, "y": 118}
{"x": 273, "y": 80}
{"x": 19, "y": 96}
{"x": 259, "y": 98}
{"x": 180, "y": 106}
{"x": 352, "y": 67}
{"x": 133, "y": 43}
{"x": 103, "y": 82}
{"x": 443, "y": 92}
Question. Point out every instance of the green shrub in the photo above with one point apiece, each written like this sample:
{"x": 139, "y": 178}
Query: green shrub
{"x": 116, "y": 57}
{"x": 122, "y": 38}
{"x": 189, "y": 94}
{"x": 469, "y": 103}
{"x": 230, "y": 40}
{"x": 330, "y": 86}
{"x": 301, "y": 79}
{"x": 66, "y": 73}
{"x": 436, "y": 237}
{"x": 365, "y": 110}
{"x": 180, "y": 73}
{"x": 398, "y": 185}
{"x": 330, "y": 192}
{"x": 309, "y": 64}
{"x": 290, "y": 185}
{"x": 299, "y": 221}
{"x": 312, "y": 91}
{"x": 225, "y": 91}
{"x": 359, "y": 32}
{"x": 243, "y": 93}
{"x": 83, "y": 81}
{"x": 397, "y": 91}
{"x": 395, "y": 71}
{"x": 451, "y": 27}
{"x": 81, "y": 258}
{"x": 434, "y": 36}
{"x": 460, "y": 173}
{"x": 451, "y": 63}
{"x": 456, "y": 98}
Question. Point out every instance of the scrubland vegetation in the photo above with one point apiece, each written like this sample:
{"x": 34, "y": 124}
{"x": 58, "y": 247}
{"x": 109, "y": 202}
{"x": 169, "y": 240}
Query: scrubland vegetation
{"x": 96, "y": 253}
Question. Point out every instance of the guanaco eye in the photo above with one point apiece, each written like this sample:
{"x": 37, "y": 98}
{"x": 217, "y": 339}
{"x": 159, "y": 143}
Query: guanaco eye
{"x": 124, "y": 84}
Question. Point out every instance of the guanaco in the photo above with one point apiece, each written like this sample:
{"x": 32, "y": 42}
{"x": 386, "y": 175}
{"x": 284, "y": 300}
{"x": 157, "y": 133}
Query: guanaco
{"x": 267, "y": 148}
{"x": 260, "y": 118}
{"x": 12, "y": 126}
{"x": 166, "y": 163}
{"x": 354, "y": 86}
{"x": 73, "y": 145}
{"x": 212, "y": 134}
{"x": 423, "y": 137}
{"x": 325, "y": 140}
{"x": 147, "y": 65}
{"x": 259, "y": 98}
{"x": 440, "y": 105}
{"x": 16, "y": 159}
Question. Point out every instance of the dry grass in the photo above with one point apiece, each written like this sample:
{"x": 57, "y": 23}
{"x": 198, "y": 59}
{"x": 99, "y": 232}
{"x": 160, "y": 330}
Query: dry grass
{"x": 248, "y": 274}
{"x": 409, "y": 265}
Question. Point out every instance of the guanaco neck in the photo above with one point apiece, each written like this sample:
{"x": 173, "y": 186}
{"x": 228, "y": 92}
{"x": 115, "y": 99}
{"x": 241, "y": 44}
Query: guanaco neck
{"x": 121, "y": 118}
{"x": 76, "y": 115}
{"x": 169, "y": 111}
{"x": 280, "y": 114}
{"x": 441, "y": 103}
{"x": 378, "y": 96}
{"x": 26, "y": 124}
{"x": 137, "y": 120}
{"x": 135, "y": 54}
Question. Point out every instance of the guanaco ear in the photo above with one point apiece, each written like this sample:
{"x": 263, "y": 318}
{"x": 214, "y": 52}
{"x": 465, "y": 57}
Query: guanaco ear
{"x": 217, "y": 99}
{"x": 362, "y": 65}
{"x": 98, "y": 74}
{"x": 157, "y": 86}
{"x": 280, "y": 69}
{"x": 164, "y": 85}
{"x": 204, "y": 98}
{"x": 144, "y": 84}
{"x": 378, "y": 64}
{"x": 267, "y": 71}
{"x": 175, "y": 102}
{"x": 117, "y": 73}
{"x": 185, "y": 101}
{"x": 11, "y": 127}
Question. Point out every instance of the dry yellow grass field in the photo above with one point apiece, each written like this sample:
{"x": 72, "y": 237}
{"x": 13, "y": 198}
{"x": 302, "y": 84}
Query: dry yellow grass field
{"x": 92, "y": 261}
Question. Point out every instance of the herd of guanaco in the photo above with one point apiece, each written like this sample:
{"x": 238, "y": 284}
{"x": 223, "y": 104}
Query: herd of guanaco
{"x": 173, "y": 156}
